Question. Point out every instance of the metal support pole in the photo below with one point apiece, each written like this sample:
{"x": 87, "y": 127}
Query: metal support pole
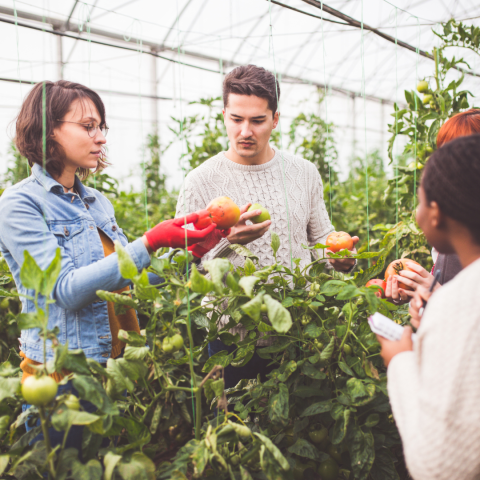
{"x": 153, "y": 93}
{"x": 382, "y": 130}
{"x": 59, "y": 57}
{"x": 354, "y": 122}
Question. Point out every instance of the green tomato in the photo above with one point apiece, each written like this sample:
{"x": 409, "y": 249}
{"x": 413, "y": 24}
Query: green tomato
{"x": 235, "y": 460}
{"x": 263, "y": 217}
{"x": 72, "y": 402}
{"x": 173, "y": 343}
{"x": 264, "y": 309}
{"x": 39, "y": 391}
{"x": 335, "y": 451}
{"x": 177, "y": 341}
{"x": 329, "y": 470}
{"x": 4, "y": 304}
{"x": 427, "y": 99}
{"x": 318, "y": 436}
{"x": 347, "y": 349}
{"x": 422, "y": 86}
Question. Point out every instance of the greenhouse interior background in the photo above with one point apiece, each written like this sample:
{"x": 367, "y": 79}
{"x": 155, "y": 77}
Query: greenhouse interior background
{"x": 152, "y": 61}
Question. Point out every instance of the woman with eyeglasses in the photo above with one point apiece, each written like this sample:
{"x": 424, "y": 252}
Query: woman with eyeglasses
{"x": 61, "y": 130}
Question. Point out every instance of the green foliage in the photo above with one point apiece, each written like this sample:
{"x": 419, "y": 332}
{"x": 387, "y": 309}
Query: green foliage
{"x": 211, "y": 135}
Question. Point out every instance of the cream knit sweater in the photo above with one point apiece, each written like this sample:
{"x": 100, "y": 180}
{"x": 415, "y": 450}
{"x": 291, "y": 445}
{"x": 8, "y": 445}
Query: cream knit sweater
{"x": 285, "y": 180}
{"x": 435, "y": 390}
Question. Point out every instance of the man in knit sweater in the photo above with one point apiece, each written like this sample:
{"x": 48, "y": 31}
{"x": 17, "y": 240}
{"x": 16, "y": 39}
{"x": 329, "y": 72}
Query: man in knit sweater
{"x": 252, "y": 171}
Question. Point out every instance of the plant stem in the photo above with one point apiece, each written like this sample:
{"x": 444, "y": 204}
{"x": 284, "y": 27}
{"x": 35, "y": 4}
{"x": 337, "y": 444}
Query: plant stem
{"x": 46, "y": 438}
{"x": 198, "y": 393}
{"x": 348, "y": 328}
{"x": 435, "y": 54}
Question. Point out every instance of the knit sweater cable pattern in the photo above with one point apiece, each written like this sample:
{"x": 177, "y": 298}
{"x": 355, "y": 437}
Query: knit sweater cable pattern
{"x": 285, "y": 175}
{"x": 434, "y": 390}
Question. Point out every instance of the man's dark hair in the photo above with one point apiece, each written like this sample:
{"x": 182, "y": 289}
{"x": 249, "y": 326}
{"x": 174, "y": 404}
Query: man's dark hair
{"x": 252, "y": 80}
{"x": 452, "y": 179}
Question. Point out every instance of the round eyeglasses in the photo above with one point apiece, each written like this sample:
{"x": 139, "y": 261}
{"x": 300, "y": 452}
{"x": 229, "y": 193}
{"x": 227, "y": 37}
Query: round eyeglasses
{"x": 92, "y": 128}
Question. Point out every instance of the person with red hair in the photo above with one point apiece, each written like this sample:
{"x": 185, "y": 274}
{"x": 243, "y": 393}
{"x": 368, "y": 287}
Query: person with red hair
{"x": 460, "y": 125}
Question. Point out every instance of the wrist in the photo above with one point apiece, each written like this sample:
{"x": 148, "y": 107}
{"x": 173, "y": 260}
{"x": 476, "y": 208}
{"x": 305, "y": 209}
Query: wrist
{"x": 147, "y": 245}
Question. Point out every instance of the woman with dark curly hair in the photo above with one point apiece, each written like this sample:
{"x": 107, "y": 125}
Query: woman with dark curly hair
{"x": 460, "y": 125}
{"x": 434, "y": 383}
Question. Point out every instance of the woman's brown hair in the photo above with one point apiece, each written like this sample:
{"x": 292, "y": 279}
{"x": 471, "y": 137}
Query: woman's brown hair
{"x": 49, "y": 102}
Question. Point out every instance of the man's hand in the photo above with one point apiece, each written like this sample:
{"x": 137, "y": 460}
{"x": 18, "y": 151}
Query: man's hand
{"x": 242, "y": 233}
{"x": 390, "y": 349}
{"x": 416, "y": 305}
{"x": 344, "y": 264}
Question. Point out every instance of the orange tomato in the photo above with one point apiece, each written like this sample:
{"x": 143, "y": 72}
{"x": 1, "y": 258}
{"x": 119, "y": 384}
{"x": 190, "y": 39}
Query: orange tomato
{"x": 224, "y": 212}
{"x": 396, "y": 267}
{"x": 379, "y": 283}
{"x": 337, "y": 241}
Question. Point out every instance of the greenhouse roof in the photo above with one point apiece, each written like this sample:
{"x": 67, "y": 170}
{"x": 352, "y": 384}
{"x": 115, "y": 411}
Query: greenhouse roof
{"x": 350, "y": 47}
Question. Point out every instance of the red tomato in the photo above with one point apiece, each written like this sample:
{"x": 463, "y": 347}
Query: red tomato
{"x": 396, "y": 267}
{"x": 224, "y": 212}
{"x": 204, "y": 220}
{"x": 379, "y": 283}
{"x": 337, "y": 241}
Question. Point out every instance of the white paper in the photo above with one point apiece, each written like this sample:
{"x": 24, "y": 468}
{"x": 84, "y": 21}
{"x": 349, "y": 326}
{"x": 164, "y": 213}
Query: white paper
{"x": 383, "y": 326}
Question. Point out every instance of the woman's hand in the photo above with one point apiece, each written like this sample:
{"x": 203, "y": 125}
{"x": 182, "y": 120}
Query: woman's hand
{"x": 419, "y": 278}
{"x": 416, "y": 305}
{"x": 390, "y": 349}
{"x": 171, "y": 233}
{"x": 395, "y": 294}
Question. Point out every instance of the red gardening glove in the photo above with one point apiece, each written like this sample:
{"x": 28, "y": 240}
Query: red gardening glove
{"x": 171, "y": 233}
{"x": 200, "y": 249}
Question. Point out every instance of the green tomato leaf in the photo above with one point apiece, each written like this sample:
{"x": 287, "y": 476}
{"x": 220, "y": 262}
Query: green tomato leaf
{"x": 126, "y": 265}
{"x": 139, "y": 467}
{"x": 222, "y": 358}
{"x": 199, "y": 283}
{"x": 275, "y": 243}
{"x": 117, "y": 298}
{"x": 278, "y": 406}
{"x": 247, "y": 283}
{"x": 252, "y": 308}
{"x": 26, "y": 321}
{"x": 278, "y": 315}
{"x": 304, "y": 448}
{"x": 316, "y": 408}
{"x": 51, "y": 274}
{"x": 340, "y": 427}
{"x": 249, "y": 267}
{"x": 217, "y": 269}
{"x": 132, "y": 338}
{"x": 277, "y": 454}
{"x": 328, "y": 350}
{"x": 31, "y": 275}
{"x": 372, "y": 420}
{"x": 345, "y": 368}
{"x": 135, "y": 353}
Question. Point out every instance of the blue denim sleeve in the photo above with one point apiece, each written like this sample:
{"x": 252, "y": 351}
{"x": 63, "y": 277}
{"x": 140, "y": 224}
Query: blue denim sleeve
{"x": 22, "y": 227}
{"x": 154, "y": 279}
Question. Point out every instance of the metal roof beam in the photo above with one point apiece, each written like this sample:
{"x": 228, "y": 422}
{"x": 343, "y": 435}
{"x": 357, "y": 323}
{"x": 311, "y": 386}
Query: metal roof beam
{"x": 154, "y": 46}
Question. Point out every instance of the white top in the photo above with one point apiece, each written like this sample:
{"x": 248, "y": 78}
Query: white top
{"x": 285, "y": 180}
{"x": 435, "y": 390}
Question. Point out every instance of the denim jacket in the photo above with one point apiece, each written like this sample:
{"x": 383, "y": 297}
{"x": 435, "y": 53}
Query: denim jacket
{"x": 36, "y": 215}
